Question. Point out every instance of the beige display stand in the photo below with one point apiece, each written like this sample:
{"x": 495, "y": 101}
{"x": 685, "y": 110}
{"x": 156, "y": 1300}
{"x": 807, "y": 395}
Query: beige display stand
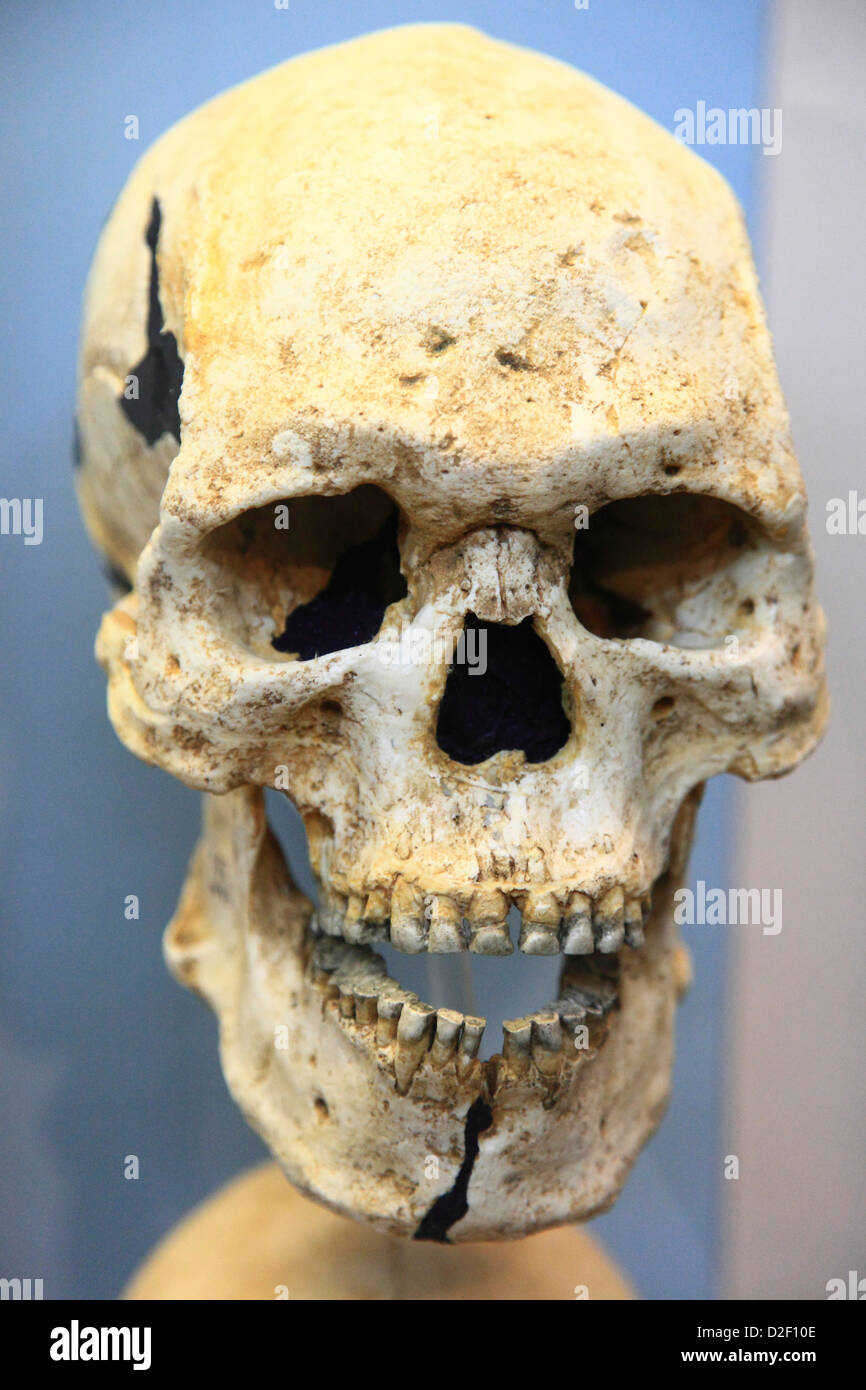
{"x": 257, "y": 1238}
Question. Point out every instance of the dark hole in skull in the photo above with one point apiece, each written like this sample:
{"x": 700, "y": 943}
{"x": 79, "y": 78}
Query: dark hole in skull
{"x": 348, "y": 611}
{"x": 150, "y": 402}
{"x": 506, "y": 696}
{"x": 308, "y": 575}
{"x": 642, "y": 563}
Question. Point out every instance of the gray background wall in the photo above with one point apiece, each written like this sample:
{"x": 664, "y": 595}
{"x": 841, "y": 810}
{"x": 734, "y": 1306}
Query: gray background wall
{"x": 101, "y": 1055}
{"x": 796, "y": 1117}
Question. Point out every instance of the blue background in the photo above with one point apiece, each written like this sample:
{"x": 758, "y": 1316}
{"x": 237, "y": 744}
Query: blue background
{"x": 101, "y": 1054}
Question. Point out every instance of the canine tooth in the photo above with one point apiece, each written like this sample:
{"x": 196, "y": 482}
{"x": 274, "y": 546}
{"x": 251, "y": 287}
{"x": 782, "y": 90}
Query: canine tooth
{"x": 577, "y": 939}
{"x": 448, "y": 1025}
{"x": 446, "y": 926}
{"x": 516, "y": 1040}
{"x": 470, "y": 1042}
{"x": 414, "y": 1031}
{"x": 487, "y": 923}
{"x": 547, "y": 1042}
{"x": 408, "y": 926}
{"x": 633, "y": 921}
{"x": 347, "y": 999}
{"x": 608, "y": 921}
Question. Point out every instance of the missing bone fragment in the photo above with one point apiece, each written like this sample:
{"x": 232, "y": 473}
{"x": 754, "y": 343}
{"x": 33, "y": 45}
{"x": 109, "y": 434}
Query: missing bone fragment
{"x": 516, "y": 704}
{"x": 350, "y": 609}
{"x": 153, "y": 409}
{"x": 453, "y": 1205}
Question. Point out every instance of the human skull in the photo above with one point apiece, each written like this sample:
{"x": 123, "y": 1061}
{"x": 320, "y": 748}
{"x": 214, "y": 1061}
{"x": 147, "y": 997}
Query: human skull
{"x": 469, "y": 349}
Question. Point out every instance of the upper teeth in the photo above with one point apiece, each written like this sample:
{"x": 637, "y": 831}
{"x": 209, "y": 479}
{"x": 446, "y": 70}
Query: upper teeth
{"x": 413, "y": 921}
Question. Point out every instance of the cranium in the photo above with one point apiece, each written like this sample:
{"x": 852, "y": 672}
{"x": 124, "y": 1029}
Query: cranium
{"x": 466, "y": 343}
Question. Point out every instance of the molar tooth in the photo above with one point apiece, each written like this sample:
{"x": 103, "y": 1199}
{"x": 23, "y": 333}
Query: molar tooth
{"x": 408, "y": 925}
{"x": 516, "y": 1039}
{"x": 577, "y": 937}
{"x": 633, "y": 919}
{"x": 377, "y": 907}
{"x": 347, "y": 999}
{"x": 487, "y": 923}
{"x": 355, "y": 929}
{"x": 448, "y": 1025}
{"x": 547, "y": 1042}
{"x": 414, "y": 1031}
{"x": 470, "y": 1042}
{"x": 540, "y": 926}
{"x": 366, "y": 998}
{"x": 608, "y": 921}
{"x": 446, "y": 926}
{"x": 332, "y": 913}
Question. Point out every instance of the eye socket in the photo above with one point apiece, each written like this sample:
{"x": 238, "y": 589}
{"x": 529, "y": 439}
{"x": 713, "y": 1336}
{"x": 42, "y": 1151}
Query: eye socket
{"x": 307, "y": 575}
{"x": 662, "y": 568}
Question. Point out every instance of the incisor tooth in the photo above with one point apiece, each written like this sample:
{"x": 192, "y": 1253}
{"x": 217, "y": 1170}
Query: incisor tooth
{"x": 414, "y": 1032}
{"x": 487, "y": 923}
{"x": 539, "y": 931}
{"x": 470, "y": 1042}
{"x": 577, "y": 939}
{"x": 408, "y": 926}
{"x": 448, "y": 1025}
{"x": 608, "y": 921}
{"x": 446, "y": 926}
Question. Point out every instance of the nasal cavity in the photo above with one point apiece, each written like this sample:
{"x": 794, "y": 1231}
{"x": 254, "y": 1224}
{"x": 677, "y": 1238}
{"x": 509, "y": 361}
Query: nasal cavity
{"x": 503, "y": 693}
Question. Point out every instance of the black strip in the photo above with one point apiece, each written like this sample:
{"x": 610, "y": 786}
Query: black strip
{"x": 160, "y": 371}
{"x": 454, "y": 1204}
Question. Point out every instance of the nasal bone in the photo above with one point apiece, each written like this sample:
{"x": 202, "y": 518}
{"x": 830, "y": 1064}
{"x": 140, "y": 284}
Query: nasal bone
{"x": 501, "y": 567}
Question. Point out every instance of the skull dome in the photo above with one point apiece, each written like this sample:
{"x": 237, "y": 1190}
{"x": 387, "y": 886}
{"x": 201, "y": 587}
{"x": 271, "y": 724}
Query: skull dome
{"x": 427, "y": 344}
